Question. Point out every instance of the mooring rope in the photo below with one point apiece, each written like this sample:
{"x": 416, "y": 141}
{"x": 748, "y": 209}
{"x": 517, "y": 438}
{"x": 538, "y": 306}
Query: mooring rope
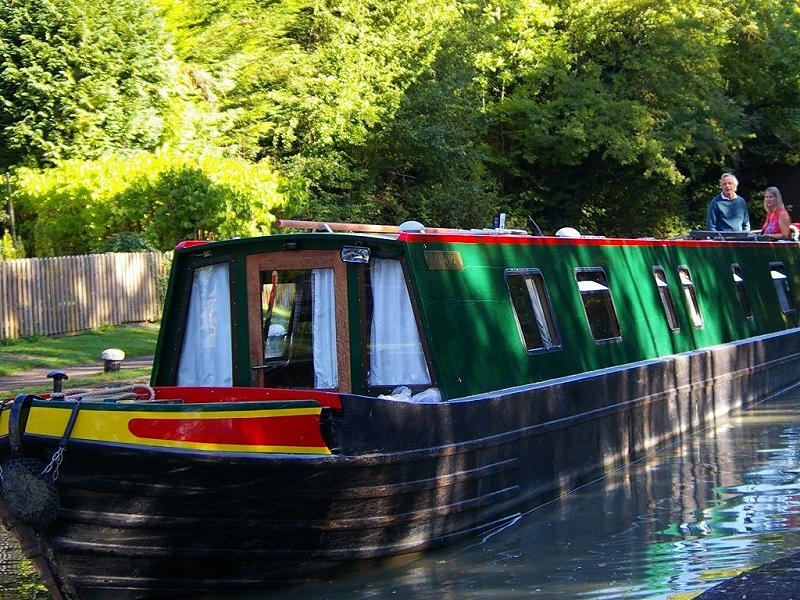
{"x": 125, "y": 392}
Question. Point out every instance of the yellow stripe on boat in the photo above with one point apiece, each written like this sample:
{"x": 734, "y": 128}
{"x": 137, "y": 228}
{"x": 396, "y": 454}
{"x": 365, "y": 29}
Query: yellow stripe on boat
{"x": 114, "y": 426}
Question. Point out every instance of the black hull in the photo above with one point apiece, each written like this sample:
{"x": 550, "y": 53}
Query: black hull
{"x": 137, "y": 524}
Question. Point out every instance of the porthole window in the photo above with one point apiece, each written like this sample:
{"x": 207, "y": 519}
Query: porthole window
{"x": 660, "y": 277}
{"x": 532, "y": 309}
{"x": 781, "y": 282}
{"x": 598, "y": 305}
{"x": 741, "y": 291}
{"x": 690, "y": 296}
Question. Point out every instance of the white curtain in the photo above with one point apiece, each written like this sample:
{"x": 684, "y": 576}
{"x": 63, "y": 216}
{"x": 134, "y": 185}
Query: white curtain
{"x": 323, "y": 333}
{"x": 396, "y": 355}
{"x": 206, "y": 356}
{"x": 538, "y": 312}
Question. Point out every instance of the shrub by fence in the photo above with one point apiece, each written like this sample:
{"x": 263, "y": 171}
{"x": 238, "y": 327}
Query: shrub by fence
{"x": 50, "y": 296}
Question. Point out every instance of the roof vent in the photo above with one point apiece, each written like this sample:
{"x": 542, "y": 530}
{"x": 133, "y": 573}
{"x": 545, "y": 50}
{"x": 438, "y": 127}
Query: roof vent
{"x": 568, "y": 232}
{"x": 412, "y": 227}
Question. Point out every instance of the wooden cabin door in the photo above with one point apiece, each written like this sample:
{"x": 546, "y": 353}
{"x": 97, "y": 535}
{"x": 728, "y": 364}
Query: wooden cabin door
{"x": 297, "y": 320}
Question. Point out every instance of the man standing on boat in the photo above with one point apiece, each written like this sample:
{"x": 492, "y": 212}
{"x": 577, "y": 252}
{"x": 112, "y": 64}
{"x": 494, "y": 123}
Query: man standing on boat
{"x": 728, "y": 210}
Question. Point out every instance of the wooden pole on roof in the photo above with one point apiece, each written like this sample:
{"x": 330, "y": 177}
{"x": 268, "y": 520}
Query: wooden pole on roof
{"x": 323, "y": 225}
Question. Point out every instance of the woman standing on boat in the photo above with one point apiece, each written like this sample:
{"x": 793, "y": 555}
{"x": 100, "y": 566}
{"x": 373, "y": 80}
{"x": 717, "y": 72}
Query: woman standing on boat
{"x": 776, "y": 226}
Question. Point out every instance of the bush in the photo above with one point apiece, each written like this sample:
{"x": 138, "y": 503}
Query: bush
{"x": 8, "y": 249}
{"x": 125, "y": 242}
{"x": 162, "y": 197}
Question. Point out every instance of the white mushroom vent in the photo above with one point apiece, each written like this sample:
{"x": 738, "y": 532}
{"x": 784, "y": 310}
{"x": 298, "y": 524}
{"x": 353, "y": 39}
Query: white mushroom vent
{"x": 113, "y": 354}
{"x": 411, "y": 227}
{"x": 568, "y": 232}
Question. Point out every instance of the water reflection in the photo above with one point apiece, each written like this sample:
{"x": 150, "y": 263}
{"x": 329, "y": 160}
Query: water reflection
{"x": 668, "y": 527}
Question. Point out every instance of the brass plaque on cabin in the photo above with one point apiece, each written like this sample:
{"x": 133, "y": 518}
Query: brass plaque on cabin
{"x": 438, "y": 260}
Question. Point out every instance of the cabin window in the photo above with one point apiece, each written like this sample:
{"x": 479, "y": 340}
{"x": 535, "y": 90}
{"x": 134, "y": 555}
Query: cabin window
{"x": 206, "y": 355}
{"x": 781, "y": 282}
{"x": 741, "y": 291}
{"x": 598, "y": 304}
{"x": 690, "y": 296}
{"x": 662, "y": 286}
{"x": 395, "y": 350}
{"x": 299, "y": 326}
{"x": 297, "y": 320}
{"x": 532, "y": 309}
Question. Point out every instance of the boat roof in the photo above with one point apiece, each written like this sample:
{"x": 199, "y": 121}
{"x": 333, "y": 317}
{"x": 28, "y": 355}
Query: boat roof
{"x": 413, "y": 232}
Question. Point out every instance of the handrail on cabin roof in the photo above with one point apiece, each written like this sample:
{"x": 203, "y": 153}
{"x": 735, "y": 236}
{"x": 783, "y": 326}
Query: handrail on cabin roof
{"x": 354, "y": 227}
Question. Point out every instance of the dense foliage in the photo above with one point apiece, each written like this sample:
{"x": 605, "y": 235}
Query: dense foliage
{"x": 79, "y": 77}
{"x": 614, "y": 116}
{"x": 152, "y": 200}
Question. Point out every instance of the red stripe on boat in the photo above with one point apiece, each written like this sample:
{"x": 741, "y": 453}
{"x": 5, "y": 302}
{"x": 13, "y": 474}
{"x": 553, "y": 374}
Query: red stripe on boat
{"x": 190, "y": 244}
{"x": 519, "y": 240}
{"x": 252, "y": 431}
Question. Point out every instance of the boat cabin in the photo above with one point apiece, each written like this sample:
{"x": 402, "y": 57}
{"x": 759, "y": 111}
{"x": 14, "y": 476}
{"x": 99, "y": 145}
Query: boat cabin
{"x": 281, "y": 313}
{"x": 456, "y": 313}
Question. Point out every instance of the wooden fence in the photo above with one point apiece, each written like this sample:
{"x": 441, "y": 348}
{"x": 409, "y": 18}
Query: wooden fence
{"x": 50, "y": 296}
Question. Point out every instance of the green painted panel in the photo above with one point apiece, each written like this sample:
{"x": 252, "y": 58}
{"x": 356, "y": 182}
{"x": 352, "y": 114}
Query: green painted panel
{"x": 356, "y": 332}
{"x": 478, "y": 347}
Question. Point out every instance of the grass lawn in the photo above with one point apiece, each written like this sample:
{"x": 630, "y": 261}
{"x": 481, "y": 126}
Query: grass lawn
{"x": 79, "y": 349}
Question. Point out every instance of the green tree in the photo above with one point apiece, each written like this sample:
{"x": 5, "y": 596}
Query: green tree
{"x": 369, "y": 107}
{"x": 615, "y": 116}
{"x": 761, "y": 64}
{"x": 352, "y": 130}
{"x": 79, "y": 78}
{"x": 606, "y": 117}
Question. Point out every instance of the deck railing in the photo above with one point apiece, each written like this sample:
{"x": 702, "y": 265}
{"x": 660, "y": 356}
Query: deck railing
{"x": 51, "y": 296}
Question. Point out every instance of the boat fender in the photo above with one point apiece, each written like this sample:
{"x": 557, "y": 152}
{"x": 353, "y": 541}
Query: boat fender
{"x": 28, "y": 495}
{"x": 27, "y": 485}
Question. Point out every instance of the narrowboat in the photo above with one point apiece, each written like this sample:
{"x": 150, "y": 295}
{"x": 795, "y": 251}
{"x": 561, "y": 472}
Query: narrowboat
{"x": 352, "y": 392}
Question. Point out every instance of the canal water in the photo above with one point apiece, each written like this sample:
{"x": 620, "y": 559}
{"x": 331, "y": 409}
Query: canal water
{"x": 668, "y": 527}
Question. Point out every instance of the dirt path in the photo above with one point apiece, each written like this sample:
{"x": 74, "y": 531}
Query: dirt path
{"x": 38, "y": 377}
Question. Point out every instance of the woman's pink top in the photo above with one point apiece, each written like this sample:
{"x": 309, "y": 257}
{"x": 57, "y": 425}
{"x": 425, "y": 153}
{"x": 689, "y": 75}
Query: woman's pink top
{"x": 771, "y": 225}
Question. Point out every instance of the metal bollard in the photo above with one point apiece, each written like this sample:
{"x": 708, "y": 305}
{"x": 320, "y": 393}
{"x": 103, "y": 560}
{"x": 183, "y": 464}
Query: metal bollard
{"x": 58, "y": 377}
{"x": 112, "y": 357}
